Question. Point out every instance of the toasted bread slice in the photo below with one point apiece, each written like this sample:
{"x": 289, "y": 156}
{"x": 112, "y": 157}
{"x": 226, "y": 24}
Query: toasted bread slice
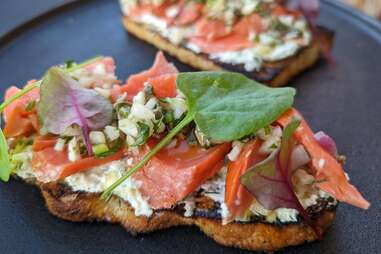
{"x": 272, "y": 73}
{"x": 80, "y": 206}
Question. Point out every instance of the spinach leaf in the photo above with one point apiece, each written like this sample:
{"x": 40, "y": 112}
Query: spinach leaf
{"x": 228, "y": 106}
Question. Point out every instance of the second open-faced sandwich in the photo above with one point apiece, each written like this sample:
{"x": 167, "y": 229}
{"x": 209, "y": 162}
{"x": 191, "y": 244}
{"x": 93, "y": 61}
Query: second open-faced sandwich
{"x": 212, "y": 149}
{"x": 263, "y": 39}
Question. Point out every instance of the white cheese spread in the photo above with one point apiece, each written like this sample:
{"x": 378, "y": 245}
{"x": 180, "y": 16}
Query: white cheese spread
{"x": 98, "y": 179}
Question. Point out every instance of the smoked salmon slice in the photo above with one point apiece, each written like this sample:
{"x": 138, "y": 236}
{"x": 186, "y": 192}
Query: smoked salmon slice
{"x": 135, "y": 83}
{"x": 214, "y": 36}
{"x": 189, "y": 13}
{"x": 175, "y": 172}
{"x": 237, "y": 198}
{"x": 328, "y": 171}
{"x": 18, "y": 120}
{"x": 51, "y": 165}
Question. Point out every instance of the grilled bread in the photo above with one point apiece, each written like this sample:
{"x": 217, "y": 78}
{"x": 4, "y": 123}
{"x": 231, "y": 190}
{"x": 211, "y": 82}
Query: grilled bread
{"x": 275, "y": 74}
{"x": 257, "y": 235}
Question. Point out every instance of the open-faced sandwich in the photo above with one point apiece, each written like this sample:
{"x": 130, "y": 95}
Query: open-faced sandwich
{"x": 260, "y": 38}
{"x": 212, "y": 149}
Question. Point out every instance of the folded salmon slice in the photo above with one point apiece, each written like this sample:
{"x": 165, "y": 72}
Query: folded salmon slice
{"x": 135, "y": 83}
{"x": 18, "y": 120}
{"x": 237, "y": 198}
{"x": 326, "y": 168}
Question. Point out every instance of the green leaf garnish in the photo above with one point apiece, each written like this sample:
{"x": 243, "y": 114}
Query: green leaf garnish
{"x": 144, "y": 131}
{"x": 228, "y": 106}
{"x": 225, "y": 106}
{"x": 5, "y": 164}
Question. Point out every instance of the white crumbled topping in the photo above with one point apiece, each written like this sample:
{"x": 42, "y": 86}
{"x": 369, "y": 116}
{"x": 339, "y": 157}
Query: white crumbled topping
{"x": 267, "y": 38}
{"x": 288, "y": 20}
{"x": 98, "y": 179}
{"x": 97, "y": 137}
{"x": 271, "y": 140}
{"x": 112, "y": 133}
{"x": 140, "y": 98}
{"x": 25, "y": 169}
{"x": 151, "y": 103}
{"x": 73, "y": 150}
{"x": 321, "y": 163}
{"x": 178, "y": 106}
{"x": 189, "y": 206}
{"x": 95, "y": 75}
{"x": 225, "y": 214}
{"x": 249, "y": 6}
{"x": 236, "y": 150}
{"x": 172, "y": 11}
{"x": 142, "y": 111}
{"x": 154, "y": 22}
{"x": 72, "y": 131}
{"x": 127, "y": 5}
{"x": 194, "y": 47}
{"x": 104, "y": 92}
{"x": 60, "y": 145}
{"x": 282, "y": 51}
{"x": 286, "y": 215}
{"x": 128, "y": 127}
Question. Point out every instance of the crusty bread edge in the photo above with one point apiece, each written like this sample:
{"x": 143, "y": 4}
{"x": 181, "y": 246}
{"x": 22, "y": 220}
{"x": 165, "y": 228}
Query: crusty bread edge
{"x": 285, "y": 69}
{"x": 80, "y": 206}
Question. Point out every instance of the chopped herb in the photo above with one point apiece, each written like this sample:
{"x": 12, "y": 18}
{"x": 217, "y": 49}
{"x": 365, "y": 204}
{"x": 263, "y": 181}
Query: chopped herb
{"x": 144, "y": 133}
{"x": 169, "y": 118}
{"x": 267, "y": 130}
{"x": 279, "y": 26}
{"x": 69, "y": 64}
{"x": 148, "y": 90}
{"x": 273, "y": 146}
{"x": 100, "y": 150}
{"x": 262, "y": 9}
{"x": 30, "y": 106}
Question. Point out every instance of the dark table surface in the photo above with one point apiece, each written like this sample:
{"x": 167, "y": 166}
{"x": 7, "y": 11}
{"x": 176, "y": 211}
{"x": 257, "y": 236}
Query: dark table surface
{"x": 16, "y": 12}
{"x": 344, "y": 101}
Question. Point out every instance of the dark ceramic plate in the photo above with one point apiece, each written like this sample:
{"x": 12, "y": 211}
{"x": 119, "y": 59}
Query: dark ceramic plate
{"x": 345, "y": 101}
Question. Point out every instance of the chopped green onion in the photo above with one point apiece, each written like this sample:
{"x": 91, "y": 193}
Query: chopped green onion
{"x": 144, "y": 131}
{"x": 100, "y": 150}
{"x": 30, "y": 106}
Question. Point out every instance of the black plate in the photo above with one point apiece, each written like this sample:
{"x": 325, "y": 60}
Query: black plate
{"x": 345, "y": 101}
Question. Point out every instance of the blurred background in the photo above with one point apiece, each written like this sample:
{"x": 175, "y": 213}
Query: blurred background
{"x": 371, "y": 7}
{"x": 15, "y": 12}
